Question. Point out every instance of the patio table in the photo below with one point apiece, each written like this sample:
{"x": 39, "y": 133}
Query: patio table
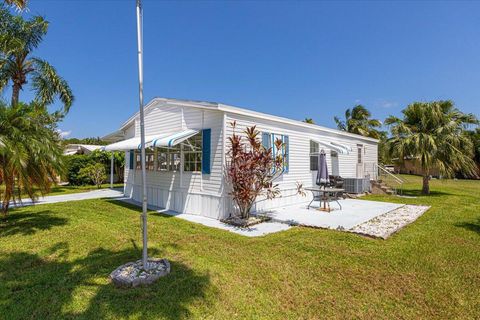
{"x": 326, "y": 195}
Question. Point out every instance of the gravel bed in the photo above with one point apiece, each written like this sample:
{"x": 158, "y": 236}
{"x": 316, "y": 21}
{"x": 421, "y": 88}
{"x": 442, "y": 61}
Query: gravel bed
{"x": 388, "y": 223}
{"x": 133, "y": 274}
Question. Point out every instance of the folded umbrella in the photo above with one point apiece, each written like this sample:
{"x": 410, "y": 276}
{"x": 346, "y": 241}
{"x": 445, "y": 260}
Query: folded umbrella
{"x": 322, "y": 173}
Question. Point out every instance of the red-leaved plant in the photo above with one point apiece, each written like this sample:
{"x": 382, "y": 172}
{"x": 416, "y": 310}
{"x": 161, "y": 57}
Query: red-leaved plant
{"x": 251, "y": 169}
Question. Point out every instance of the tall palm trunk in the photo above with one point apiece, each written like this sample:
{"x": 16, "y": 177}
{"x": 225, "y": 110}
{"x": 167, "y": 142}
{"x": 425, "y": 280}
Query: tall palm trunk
{"x": 16, "y": 92}
{"x": 426, "y": 184}
{"x": 9, "y": 186}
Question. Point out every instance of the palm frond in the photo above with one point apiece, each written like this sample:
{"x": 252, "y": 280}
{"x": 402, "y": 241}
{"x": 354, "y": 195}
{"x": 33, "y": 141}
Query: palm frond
{"x": 48, "y": 85}
{"x": 19, "y": 4}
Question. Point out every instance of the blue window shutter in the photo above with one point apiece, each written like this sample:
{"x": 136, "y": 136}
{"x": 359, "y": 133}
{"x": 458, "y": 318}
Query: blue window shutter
{"x": 132, "y": 159}
{"x": 266, "y": 140}
{"x": 287, "y": 153}
{"x": 206, "y": 146}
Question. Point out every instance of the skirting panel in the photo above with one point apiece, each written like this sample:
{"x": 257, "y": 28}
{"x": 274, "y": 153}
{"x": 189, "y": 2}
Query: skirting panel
{"x": 180, "y": 201}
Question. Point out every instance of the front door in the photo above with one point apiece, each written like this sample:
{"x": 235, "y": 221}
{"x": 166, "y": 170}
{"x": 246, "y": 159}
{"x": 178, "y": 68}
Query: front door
{"x": 360, "y": 166}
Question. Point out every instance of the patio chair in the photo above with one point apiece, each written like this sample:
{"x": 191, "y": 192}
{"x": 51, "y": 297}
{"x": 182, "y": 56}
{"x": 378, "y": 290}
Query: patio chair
{"x": 336, "y": 181}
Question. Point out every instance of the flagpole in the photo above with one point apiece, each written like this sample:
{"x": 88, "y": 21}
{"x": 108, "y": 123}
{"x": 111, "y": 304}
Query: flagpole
{"x": 142, "y": 132}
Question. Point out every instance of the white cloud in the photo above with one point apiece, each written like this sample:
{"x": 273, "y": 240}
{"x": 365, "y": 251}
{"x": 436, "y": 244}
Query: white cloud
{"x": 386, "y": 103}
{"x": 63, "y": 134}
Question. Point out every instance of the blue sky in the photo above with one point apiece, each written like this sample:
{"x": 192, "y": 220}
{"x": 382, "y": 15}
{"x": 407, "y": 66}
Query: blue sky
{"x": 293, "y": 59}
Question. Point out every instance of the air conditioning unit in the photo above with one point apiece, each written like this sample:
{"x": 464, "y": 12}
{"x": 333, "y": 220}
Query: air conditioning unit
{"x": 356, "y": 185}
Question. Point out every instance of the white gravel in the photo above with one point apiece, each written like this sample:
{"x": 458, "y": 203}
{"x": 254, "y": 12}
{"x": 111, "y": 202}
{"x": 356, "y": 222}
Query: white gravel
{"x": 385, "y": 225}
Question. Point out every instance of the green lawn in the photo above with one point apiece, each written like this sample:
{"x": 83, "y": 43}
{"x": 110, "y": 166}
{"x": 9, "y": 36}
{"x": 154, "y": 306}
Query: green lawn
{"x": 55, "y": 260}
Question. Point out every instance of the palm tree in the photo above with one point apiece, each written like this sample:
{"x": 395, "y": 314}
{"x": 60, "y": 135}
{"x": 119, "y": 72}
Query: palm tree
{"x": 357, "y": 120}
{"x": 475, "y": 137}
{"x": 433, "y": 135}
{"x": 18, "y": 39}
{"x": 30, "y": 152}
{"x": 309, "y": 120}
{"x": 19, "y": 4}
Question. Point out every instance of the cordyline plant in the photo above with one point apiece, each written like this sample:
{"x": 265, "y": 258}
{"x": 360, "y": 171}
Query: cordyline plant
{"x": 251, "y": 169}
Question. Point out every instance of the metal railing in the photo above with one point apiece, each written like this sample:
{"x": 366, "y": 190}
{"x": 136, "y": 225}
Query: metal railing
{"x": 391, "y": 180}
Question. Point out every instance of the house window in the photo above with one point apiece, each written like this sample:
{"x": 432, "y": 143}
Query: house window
{"x": 149, "y": 160}
{"x": 314, "y": 150}
{"x": 168, "y": 159}
{"x": 268, "y": 141}
{"x": 162, "y": 159}
{"x": 138, "y": 160}
{"x": 359, "y": 149}
{"x": 192, "y": 153}
{"x": 174, "y": 159}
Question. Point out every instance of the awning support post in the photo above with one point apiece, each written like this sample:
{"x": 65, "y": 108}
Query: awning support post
{"x": 111, "y": 170}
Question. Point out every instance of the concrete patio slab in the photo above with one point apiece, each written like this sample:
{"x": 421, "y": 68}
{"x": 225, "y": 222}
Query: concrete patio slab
{"x": 353, "y": 212}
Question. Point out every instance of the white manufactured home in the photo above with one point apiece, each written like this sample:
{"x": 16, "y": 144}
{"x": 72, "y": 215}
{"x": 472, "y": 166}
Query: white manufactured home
{"x": 187, "y": 143}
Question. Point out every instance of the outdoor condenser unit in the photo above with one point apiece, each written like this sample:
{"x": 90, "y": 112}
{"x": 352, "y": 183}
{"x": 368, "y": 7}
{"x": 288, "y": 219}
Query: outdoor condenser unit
{"x": 356, "y": 185}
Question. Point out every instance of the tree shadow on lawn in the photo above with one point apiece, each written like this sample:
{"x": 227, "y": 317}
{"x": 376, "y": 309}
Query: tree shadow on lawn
{"x": 54, "y": 288}
{"x": 138, "y": 208}
{"x": 418, "y": 193}
{"x": 29, "y": 222}
{"x": 472, "y": 226}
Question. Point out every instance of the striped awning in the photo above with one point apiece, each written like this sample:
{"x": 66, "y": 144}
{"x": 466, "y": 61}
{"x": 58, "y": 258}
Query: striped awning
{"x": 161, "y": 140}
{"x": 129, "y": 144}
{"x": 339, "y": 148}
{"x": 343, "y": 146}
{"x": 173, "y": 139}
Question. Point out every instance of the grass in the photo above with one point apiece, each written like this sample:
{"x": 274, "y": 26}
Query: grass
{"x": 55, "y": 260}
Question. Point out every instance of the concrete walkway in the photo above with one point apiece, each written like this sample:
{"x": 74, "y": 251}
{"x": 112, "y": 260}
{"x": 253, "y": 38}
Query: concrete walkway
{"x": 257, "y": 230}
{"x": 95, "y": 194}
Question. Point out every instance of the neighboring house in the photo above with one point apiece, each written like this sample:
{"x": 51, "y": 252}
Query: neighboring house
{"x": 71, "y": 149}
{"x": 410, "y": 165}
{"x": 188, "y": 143}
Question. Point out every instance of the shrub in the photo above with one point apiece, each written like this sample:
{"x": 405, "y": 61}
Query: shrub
{"x": 74, "y": 164}
{"x": 95, "y": 173}
{"x": 251, "y": 169}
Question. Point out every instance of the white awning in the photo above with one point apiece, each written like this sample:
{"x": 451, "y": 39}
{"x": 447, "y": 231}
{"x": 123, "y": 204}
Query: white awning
{"x": 172, "y": 139}
{"x": 129, "y": 144}
{"x": 344, "y": 146}
{"x": 334, "y": 146}
{"x": 160, "y": 140}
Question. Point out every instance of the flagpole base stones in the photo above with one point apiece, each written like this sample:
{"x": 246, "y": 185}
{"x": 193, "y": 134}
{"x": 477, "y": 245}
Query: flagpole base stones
{"x": 133, "y": 274}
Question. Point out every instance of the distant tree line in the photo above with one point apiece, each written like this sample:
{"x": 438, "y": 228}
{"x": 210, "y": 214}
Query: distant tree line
{"x": 92, "y": 140}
